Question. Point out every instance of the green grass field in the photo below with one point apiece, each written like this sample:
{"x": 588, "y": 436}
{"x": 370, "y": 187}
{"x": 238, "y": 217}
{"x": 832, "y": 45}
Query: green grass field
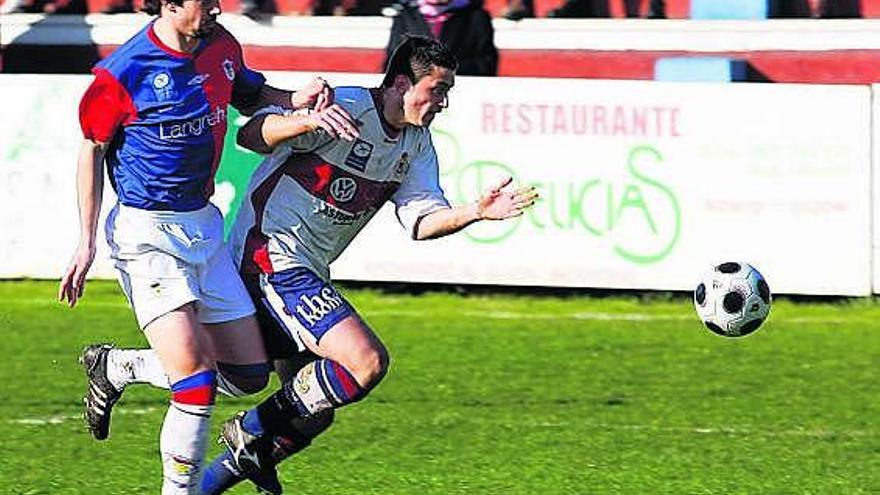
{"x": 496, "y": 395}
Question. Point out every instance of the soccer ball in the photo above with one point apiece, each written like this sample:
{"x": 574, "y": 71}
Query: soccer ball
{"x": 733, "y": 299}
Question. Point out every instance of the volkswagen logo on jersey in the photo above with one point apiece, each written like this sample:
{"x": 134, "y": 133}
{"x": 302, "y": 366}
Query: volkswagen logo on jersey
{"x": 229, "y": 69}
{"x": 359, "y": 155}
{"x": 343, "y": 189}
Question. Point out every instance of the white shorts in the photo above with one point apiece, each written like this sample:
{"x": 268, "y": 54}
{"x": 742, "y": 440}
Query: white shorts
{"x": 168, "y": 259}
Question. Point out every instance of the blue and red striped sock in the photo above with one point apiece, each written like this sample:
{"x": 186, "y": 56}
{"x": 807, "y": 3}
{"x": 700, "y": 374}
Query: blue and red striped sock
{"x": 319, "y": 385}
{"x": 184, "y": 433}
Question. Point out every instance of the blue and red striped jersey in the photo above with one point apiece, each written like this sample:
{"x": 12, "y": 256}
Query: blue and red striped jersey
{"x": 164, "y": 114}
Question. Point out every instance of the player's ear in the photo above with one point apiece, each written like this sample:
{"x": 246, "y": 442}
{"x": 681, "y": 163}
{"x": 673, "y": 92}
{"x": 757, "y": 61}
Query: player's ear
{"x": 402, "y": 83}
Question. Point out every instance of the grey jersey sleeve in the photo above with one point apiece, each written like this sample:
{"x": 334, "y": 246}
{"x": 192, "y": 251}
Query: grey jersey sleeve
{"x": 420, "y": 193}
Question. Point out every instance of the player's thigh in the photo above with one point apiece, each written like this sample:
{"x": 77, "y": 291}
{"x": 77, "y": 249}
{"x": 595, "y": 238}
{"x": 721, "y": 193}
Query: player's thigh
{"x": 155, "y": 280}
{"x": 223, "y": 298}
{"x": 180, "y": 342}
{"x": 317, "y": 317}
{"x": 237, "y": 341}
{"x": 226, "y": 310}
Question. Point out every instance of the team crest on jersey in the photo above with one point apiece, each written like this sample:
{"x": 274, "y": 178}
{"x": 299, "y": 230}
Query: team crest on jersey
{"x": 343, "y": 189}
{"x": 163, "y": 85}
{"x": 402, "y": 165}
{"x": 229, "y": 69}
{"x": 183, "y": 466}
{"x": 359, "y": 155}
{"x": 301, "y": 382}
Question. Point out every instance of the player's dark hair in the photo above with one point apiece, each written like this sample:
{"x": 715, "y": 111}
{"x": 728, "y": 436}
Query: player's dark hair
{"x": 154, "y": 7}
{"x": 416, "y": 57}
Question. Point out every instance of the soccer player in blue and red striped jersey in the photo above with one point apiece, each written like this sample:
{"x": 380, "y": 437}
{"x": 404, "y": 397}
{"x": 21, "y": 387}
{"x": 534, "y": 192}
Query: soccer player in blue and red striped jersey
{"x": 156, "y": 114}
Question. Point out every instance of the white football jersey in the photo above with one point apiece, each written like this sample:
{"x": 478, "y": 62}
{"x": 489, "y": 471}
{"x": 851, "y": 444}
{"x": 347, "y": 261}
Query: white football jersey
{"x": 307, "y": 201}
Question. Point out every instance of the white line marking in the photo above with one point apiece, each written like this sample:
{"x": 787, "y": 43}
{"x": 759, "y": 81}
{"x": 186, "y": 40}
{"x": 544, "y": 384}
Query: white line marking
{"x": 52, "y": 302}
{"x": 61, "y": 418}
{"x": 696, "y": 430}
{"x": 745, "y": 431}
{"x": 593, "y": 316}
{"x": 514, "y": 315}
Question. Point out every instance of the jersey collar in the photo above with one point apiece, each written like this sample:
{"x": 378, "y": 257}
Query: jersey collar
{"x": 151, "y": 33}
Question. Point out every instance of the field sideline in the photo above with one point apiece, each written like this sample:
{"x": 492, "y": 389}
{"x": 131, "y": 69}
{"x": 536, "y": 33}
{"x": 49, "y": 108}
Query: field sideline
{"x": 495, "y": 394}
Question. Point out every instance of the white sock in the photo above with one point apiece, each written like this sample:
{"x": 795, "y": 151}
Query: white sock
{"x": 182, "y": 443}
{"x": 125, "y": 366}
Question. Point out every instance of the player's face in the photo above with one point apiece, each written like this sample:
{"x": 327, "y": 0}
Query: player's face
{"x": 428, "y": 97}
{"x": 199, "y": 17}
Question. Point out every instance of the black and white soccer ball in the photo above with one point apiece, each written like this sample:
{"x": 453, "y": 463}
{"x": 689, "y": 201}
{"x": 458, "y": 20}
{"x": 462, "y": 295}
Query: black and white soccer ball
{"x": 733, "y": 299}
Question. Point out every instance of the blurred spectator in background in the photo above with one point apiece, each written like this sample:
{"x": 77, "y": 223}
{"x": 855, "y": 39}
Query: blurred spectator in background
{"x": 462, "y": 25}
{"x": 839, "y": 8}
{"x": 332, "y": 7}
{"x": 519, "y": 9}
{"x": 51, "y": 7}
{"x": 815, "y": 8}
{"x": 599, "y": 8}
{"x": 120, "y": 7}
{"x": 348, "y": 7}
{"x": 581, "y": 8}
{"x": 788, "y": 8}
{"x": 657, "y": 9}
{"x": 258, "y": 10}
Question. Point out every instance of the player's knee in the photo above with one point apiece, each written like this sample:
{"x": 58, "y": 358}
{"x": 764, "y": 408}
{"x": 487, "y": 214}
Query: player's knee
{"x": 240, "y": 386}
{"x": 371, "y": 366}
{"x": 190, "y": 363}
{"x": 190, "y": 366}
{"x": 238, "y": 380}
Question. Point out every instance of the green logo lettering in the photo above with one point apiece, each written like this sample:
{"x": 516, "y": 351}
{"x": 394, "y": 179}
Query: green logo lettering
{"x": 663, "y": 239}
{"x": 641, "y": 216}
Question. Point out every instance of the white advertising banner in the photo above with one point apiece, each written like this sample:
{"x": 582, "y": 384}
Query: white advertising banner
{"x": 876, "y": 186}
{"x": 643, "y": 184}
{"x": 39, "y": 220}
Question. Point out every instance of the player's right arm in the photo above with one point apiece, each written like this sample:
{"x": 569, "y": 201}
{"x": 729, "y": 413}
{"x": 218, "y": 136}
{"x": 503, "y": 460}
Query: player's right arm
{"x": 105, "y": 107}
{"x": 90, "y": 188}
{"x": 265, "y": 131}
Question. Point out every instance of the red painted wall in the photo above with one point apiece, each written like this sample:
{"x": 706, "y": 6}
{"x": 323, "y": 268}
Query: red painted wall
{"x": 675, "y": 9}
{"x": 829, "y": 67}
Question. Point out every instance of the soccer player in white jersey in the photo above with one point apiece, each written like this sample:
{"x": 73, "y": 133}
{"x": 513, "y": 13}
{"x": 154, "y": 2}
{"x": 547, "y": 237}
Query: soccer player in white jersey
{"x": 305, "y": 204}
{"x": 156, "y": 115}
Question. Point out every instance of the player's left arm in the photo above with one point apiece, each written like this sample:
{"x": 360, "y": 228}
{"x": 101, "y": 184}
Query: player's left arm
{"x": 422, "y": 207}
{"x": 272, "y": 126}
{"x": 316, "y": 95}
{"x": 251, "y": 93}
{"x": 498, "y": 203}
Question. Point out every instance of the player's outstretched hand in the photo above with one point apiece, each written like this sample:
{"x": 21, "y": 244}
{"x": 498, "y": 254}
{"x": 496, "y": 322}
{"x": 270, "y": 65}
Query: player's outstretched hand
{"x": 336, "y": 121}
{"x": 498, "y": 204}
{"x": 317, "y": 95}
{"x": 74, "y": 280}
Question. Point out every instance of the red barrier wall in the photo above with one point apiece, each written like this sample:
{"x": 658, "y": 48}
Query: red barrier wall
{"x": 828, "y": 67}
{"x": 675, "y": 9}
